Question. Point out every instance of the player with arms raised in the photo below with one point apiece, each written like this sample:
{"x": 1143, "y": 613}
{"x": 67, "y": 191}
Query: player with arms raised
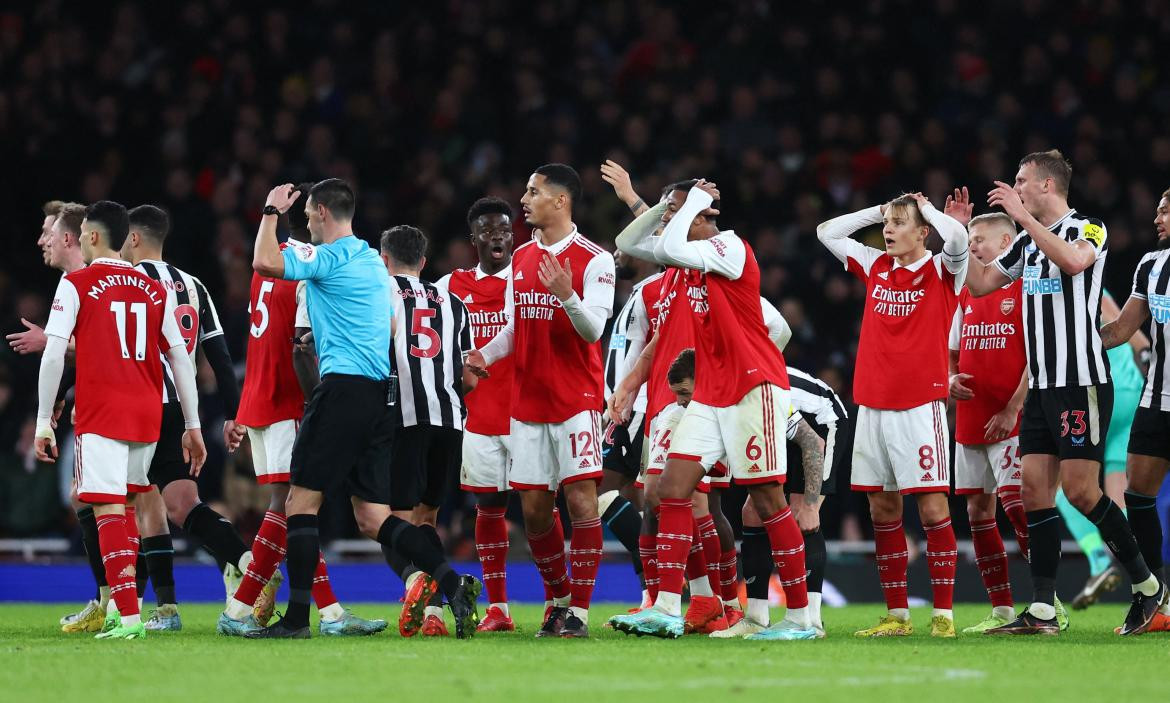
{"x": 119, "y": 318}
{"x": 900, "y": 385}
{"x": 563, "y": 288}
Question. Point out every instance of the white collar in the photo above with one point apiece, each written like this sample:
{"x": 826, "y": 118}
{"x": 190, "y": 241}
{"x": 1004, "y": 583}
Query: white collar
{"x": 1062, "y": 218}
{"x": 504, "y": 273}
{"x": 112, "y": 262}
{"x": 560, "y": 246}
{"x": 915, "y": 265}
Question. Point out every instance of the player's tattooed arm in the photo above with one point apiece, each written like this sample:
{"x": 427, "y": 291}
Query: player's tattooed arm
{"x": 613, "y": 174}
{"x": 812, "y": 458}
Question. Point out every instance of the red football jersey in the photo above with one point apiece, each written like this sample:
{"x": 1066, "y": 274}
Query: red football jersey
{"x": 120, "y": 320}
{"x": 485, "y": 296}
{"x": 989, "y": 334}
{"x": 902, "y": 353}
{"x": 271, "y": 392}
{"x": 733, "y": 353}
{"x": 557, "y": 373}
{"x": 675, "y": 331}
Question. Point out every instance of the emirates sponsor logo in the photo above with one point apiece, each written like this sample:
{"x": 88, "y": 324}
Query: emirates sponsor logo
{"x": 983, "y": 336}
{"x": 895, "y": 303}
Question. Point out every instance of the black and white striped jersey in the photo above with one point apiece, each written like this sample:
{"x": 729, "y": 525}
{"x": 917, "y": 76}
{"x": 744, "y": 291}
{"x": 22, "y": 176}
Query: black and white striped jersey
{"x": 432, "y": 332}
{"x": 1151, "y": 283}
{"x": 1062, "y": 313}
{"x": 815, "y": 400}
{"x": 194, "y": 311}
{"x": 631, "y": 330}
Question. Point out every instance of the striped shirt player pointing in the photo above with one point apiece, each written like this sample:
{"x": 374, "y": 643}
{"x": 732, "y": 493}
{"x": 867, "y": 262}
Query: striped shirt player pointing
{"x": 486, "y": 291}
{"x": 900, "y": 385}
{"x": 562, "y": 295}
{"x": 1149, "y": 438}
{"x": 1060, "y": 256}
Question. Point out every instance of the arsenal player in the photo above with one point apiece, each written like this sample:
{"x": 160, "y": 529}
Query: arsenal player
{"x": 272, "y": 404}
{"x": 486, "y": 292}
{"x": 900, "y": 385}
{"x": 562, "y": 295}
{"x": 989, "y": 382}
{"x": 741, "y": 389}
{"x": 119, "y": 318}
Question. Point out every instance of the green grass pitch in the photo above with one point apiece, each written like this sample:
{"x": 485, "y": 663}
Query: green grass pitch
{"x": 1087, "y": 663}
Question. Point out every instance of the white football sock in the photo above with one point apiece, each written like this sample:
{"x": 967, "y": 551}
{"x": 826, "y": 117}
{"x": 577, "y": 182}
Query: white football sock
{"x": 1005, "y": 612}
{"x": 430, "y": 610}
{"x": 561, "y": 602}
{"x": 131, "y": 620}
{"x": 1148, "y": 587}
{"x": 581, "y": 613}
{"x": 237, "y": 610}
{"x": 902, "y": 614}
{"x": 502, "y": 606}
{"x": 814, "y": 608}
{"x": 757, "y": 609}
{"x": 945, "y": 612}
{"x": 334, "y": 611}
{"x": 103, "y": 597}
{"x": 701, "y": 587}
{"x": 605, "y": 500}
{"x": 245, "y": 560}
{"x": 1044, "y": 611}
{"x": 669, "y": 603}
{"x": 800, "y": 616}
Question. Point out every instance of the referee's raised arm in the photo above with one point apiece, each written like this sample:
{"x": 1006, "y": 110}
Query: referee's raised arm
{"x": 266, "y": 258}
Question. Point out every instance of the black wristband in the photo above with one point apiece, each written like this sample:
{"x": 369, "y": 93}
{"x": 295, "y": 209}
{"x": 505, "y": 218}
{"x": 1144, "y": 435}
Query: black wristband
{"x": 270, "y": 210}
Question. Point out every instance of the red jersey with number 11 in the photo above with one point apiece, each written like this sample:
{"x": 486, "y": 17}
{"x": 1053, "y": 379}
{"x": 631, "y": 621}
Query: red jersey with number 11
{"x": 271, "y": 392}
{"x": 121, "y": 321}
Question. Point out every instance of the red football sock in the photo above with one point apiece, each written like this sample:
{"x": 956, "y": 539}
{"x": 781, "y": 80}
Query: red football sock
{"x": 267, "y": 552}
{"x": 322, "y": 590}
{"x": 548, "y": 551}
{"x": 942, "y": 555}
{"x": 892, "y": 557}
{"x": 992, "y": 562}
{"x": 696, "y": 557}
{"x": 132, "y": 528}
{"x": 728, "y": 577}
{"x": 118, "y": 558}
{"x": 788, "y": 553}
{"x": 648, "y": 550}
{"x": 584, "y": 556}
{"x": 711, "y": 549}
{"x": 491, "y": 545}
{"x": 1013, "y": 505}
{"x": 676, "y": 529}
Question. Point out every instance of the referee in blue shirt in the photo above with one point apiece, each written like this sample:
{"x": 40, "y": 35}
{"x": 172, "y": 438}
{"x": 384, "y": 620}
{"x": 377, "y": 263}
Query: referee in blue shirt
{"x": 349, "y": 424}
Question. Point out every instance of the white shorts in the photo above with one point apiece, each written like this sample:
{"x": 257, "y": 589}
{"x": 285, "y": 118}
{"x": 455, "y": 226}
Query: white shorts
{"x": 485, "y": 463}
{"x": 902, "y": 450}
{"x": 107, "y": 469}
{"x": 272, "y": 450}
{"x": 545, "y": 455}
{"x": 747, "y": 437}
{"x": 984, "y": 468}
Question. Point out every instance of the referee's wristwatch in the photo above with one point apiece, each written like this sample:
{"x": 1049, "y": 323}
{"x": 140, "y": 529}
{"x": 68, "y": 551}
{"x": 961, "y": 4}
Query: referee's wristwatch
{"x": 270, "y": 210}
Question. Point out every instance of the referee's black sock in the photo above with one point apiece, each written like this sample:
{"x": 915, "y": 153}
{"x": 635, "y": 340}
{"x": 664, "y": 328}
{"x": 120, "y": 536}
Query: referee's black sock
{"x": 412, "y": 543}
{"x": 304, "y": 546}
{"x": 1147, "y": 529}
{"x": 623, "y": 520}
{"x": 432, "y": 536}
{"x": 93, "y": 551}
{"x": 160, "y": 563}
{"x": 755, "y": 559}
{"x": 1044, "y": 549}
{"x": 1118, "y": 536}
{"x": 217, "y": 534}
{"x": 815, "y": 556}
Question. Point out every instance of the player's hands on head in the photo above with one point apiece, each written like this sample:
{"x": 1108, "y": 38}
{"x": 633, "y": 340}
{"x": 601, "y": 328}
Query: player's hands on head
{"x": 30, "y": 341}
{"x": 194, "y": 451}
{"x": 556, "y": 278}
{"x": 921, "y": 199}
{"x": 282, "y": 197}
{"x": 957, "y": 388}
{"x": 710, "y": 189}
{"x": 1006, "y": 197}
{"x": 613, "y": 174}
{"x": 233, "y": 434}
{"x": 959, "y": 206}
{"x": 45, "y": 445}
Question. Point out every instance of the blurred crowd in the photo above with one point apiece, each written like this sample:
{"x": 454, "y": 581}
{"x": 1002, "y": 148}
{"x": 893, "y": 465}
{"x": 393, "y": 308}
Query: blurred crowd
{"x": 799, "y": 111}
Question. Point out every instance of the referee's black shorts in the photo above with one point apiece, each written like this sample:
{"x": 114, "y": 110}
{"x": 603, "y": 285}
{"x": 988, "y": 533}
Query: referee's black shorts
{"x": 425, "y": 463}
{"x": 1069, "y": 423}
{"x": 346, "y": 437}
{"x": 1150, "y": 434}
{"x": 168, "y": 466}
{"x": 621, "y": 448}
